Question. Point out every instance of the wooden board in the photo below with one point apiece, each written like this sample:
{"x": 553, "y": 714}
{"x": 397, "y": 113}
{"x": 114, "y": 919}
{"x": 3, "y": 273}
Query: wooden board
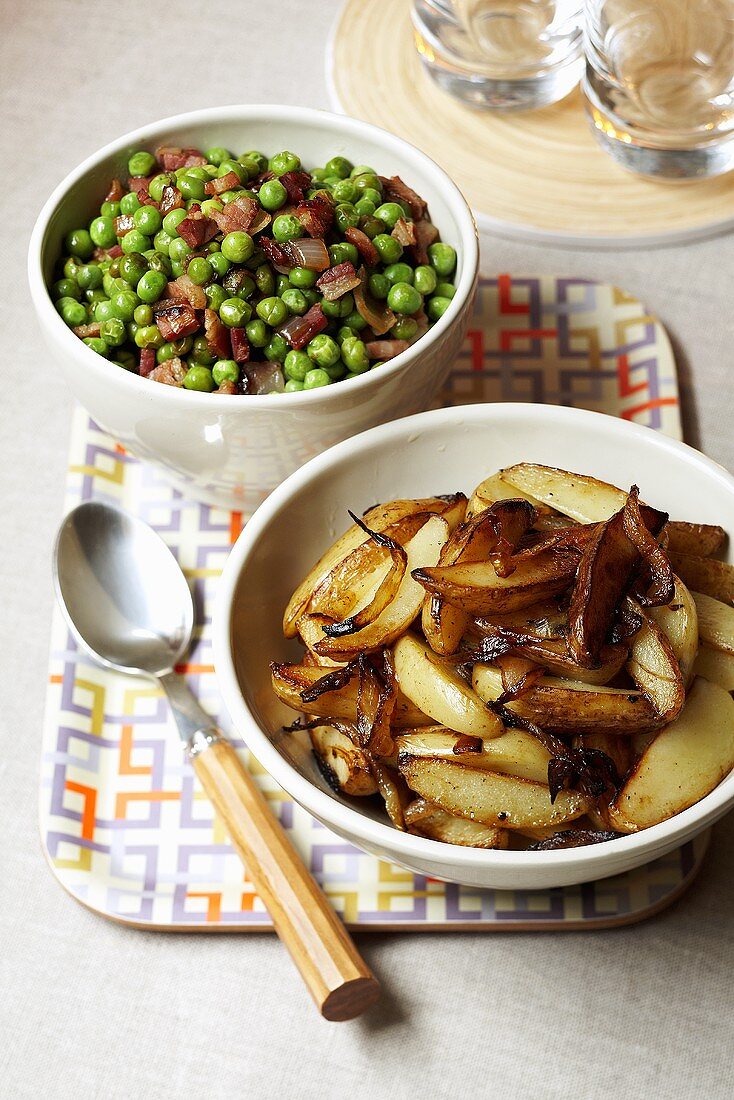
{"x": 538, "y": 175}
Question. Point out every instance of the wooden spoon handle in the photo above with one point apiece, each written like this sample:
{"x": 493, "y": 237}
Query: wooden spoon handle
{"x": 338, "y": 979}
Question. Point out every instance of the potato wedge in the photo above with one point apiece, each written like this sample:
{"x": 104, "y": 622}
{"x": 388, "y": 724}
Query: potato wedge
{"x": 700, "y": 539}
{"x": 343, "y": 764}
{"x": 513, "y": 753}
{"x": 683, "y": 764}
{"x": 713, "y": 578}
{"x": 567, "y": 706}
{"x": 438, "y": 690}
{"x": 584, "y": 498}
{"x": 290, "y": 680}
{"x": 478, "y": 589}
{"x": 377, "y": 518}
{"x": 424, "y": 548}
{"x": 502, "y": 801}
{"x": 716, "y": 666}
{"x": 678, "y": 621}
{"x": 495, "y": 488}
{"x": 425, "y": 819}
{"x": 715, "y": 622}
{"x": 553, "y": 655}
{"x": 654, "y": 668}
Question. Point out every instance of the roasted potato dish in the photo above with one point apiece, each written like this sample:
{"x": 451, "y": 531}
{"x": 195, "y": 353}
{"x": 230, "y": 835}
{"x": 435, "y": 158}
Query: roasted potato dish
{"x": 544, "y": 664}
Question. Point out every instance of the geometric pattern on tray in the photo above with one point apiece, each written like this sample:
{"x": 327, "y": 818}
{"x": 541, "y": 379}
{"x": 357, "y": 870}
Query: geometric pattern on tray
{"x": 125, "y": 826}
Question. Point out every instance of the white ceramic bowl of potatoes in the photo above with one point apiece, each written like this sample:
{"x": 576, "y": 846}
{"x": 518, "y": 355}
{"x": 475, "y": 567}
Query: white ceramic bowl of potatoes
{"x": 610, "y": 668}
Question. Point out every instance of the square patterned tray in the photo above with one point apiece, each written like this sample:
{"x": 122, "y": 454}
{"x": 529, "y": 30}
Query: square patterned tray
{"x": 125, "y": 827}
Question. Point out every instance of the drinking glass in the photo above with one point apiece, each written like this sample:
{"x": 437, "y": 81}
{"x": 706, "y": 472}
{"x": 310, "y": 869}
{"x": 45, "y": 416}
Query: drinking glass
{"x": 659, "y": 84}
{"x": 501, "y": 54}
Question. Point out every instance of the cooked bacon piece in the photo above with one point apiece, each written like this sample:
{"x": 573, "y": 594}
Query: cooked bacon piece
{"x": 85, "y": 331}
{"x": 404, "y": 232}
{"x": 123, "y": 224}
{"x": 175, "y": 319}
{"x": 363, "y": 244}
{"x": 378, "y": 315}
{"x": 338, "y": 281}
{"x": 171, "y": 199}
{"x": 137, "y": 183}
{"x": 240, "y": 345}
{"x": 224, "y": 183}
{"x": 308, "y": 252}
{"x": 188, "y": 289}
{"x": 425, "y": 234}
{"x": 395, "y": 190}
{"x": 172, "y": 157}
{"x": 115, "y": 192}
{"x": 238, "y": 215}
{"x": 386, "y": 349}
{"x": 100, "y": 254}
{"x": 295, "y": 184}
{"x": 196, "y": 229}
{"x": 217, "y": 335}
{"x": 277, "y": 256}
{"x": 170, "y": 373}
{"x": 299, "y": 330}
{"x": 258, "y": 181}
{"x": 145, "y": 198}
{"x": 147, "y": 361}
{"x": 316, "y": 215}
{"x": 227, "y": 387}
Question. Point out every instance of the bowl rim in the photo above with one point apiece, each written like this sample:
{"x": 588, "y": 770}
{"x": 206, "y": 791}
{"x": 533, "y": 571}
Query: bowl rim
{"x": 328, "y": 120}
{"x": 349, "y": 819}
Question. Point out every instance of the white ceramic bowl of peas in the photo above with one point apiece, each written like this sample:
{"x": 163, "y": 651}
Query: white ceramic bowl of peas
{"x": 232, "y": 450}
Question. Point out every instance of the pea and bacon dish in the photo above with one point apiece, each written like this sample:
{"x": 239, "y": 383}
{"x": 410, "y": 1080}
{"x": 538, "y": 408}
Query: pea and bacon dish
{"x": 249, "y": 275}
{"x": 546, "y": 665}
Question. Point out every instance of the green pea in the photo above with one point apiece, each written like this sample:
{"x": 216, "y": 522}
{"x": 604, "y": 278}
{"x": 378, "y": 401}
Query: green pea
{"x": 444, "y": 290}
{"x": 286, "y": 227}
{"x": 227, "y": 196}
{"x": 141, "y": 163}
{"x": 132, "y": 268}
{"x": 162, "y": 241}
{"x": 238, "y": 247}
{"x": 199, "y": 378}
{"x": 367, "y": 181}
{"x": 66, "y": 288}
{"x": 172, "y": 221}
{"x": 126, "y": 360}
{"x": 71, "y": 267}
{"x": 219, "y": 263}
{"x": 404, "y": 298}
{"x": 79, "y": 243}
{"x": 344, "y": 190}
{"x": 200, "y": 271}
{"x": 324, "y": 350}
{"x": 361, "y": 170}
{"x": 134, "y": 241}
{"x": 342, "y": 307}
{"x": 296, "y": 365}
{"x": 284, "y": 162}
{"x": 96, "y": 343}
{"x": 389, "y": 213}
{"x": 235, "y": 313}
{"x": 178, "y": 250}
{"x": 89, "y": 277}
{"x": 103, "y": 311}
{"x": 273, "y": 311}
{"x": 191, "y": 187}
{"x": 365, "y": 208}
{"x": 319, "y": 174}
{"x": 124, "y": 303}
{"x": 272, "y": 195}
{"x": 265, "y": 280}
{"x": 345, "y": 333}
{"x": 151, "y": 286}
{"x": 338, "y": 166}
{"x": 113, "y": 332}
{"x": 199, "y": 172}
{"x": 102, "y": 232}
{"x": 259, "y": 158}
{"x": 109, "y": 209}
{"x": 165, "y": 352}
{"x": 158, "y": 183}
{"x": 311, "y": 296}
{"x": 295, "y": 301}
{"x": 232, "y": 165}
{"x": 405, "y": 328}
{"x": 216, "y": 296}
{"x": 336, "y": 371}
{"x": 436, "y": 307}
{"x": 277, "y": 348}
{"x": 72, "y": 312}
{"x": 257, "y": 332}
{"x": 378, "y": 285}
{"x": 293, "y": 386}
{"x": 388, "y": 248}
{"x": 111, "y": 285}
{"x": 94, "y": 296}
{"x": 211, "y": 206}
{"x": 143, "y": 315}
{"x": 200, "y": 352}
{"x": 148, "y": 336}
{"x": 238, "y": 283}
{"x": 424, "y": 279}
{"x": 343, "y": 251}
{"x": 217, "y": 154}
{"x": 148, "y": 220}
{"x": 355, "y": 321}
{"x": 160, "y": 262}
{"x": 399, "y": 273}
{"x": 442, "y": 258}
{"x": 302, "y": 278}
{"x": 346, "y": 217}
{"x": 130, "y": 203}
{"x": 315, "y": 379}
{"x": 354, "y": 354}
{"x": 225, "y": 370}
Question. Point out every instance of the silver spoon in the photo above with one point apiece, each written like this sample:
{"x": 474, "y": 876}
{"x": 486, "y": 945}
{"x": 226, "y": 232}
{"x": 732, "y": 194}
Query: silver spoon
{"x": 129, "y": 605}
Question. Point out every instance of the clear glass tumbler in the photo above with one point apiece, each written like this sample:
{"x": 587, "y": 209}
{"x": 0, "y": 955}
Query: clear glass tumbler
{"x": 659, "y": 84}
{"x": 501, "y": 54}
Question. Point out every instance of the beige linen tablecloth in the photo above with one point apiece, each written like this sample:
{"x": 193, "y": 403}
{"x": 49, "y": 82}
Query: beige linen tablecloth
{"x": 88, "y": 1009}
